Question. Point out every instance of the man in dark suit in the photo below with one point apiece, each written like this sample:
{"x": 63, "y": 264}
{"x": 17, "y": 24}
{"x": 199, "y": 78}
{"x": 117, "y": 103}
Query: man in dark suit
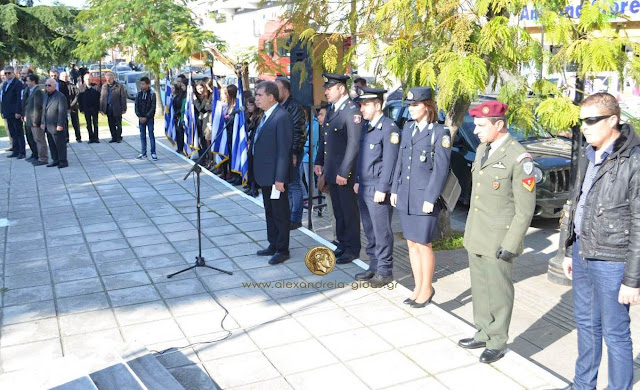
{"x": 54, "y": 121}
{"x": 89, "y": 104}
{"x": 337, "y": 158}
{"x": 11, "y": 110}
{"x": 32, "y": 115}
{"x": 272, "y": 165}
{"x": 113, "y": 103}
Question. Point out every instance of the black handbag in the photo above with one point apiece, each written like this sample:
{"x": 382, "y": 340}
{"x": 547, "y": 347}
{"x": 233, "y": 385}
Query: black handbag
{"x": 451, "y": 190}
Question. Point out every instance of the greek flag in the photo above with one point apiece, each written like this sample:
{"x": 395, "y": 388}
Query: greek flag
{"x": 240, "y": 150}
{"x": 192, "y": 141}
{"x": 218, "y": 131}
{"x": 169, "y": 125}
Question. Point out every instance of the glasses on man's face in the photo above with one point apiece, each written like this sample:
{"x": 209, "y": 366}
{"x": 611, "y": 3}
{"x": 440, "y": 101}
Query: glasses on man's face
{"x": 48, "y": 85}
{"x": 7, "y": 73}
{"x": 592, "y": 120}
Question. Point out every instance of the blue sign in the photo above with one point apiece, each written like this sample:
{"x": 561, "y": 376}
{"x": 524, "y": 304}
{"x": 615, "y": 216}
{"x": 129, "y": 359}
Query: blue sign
{"x": 573, "y": 11}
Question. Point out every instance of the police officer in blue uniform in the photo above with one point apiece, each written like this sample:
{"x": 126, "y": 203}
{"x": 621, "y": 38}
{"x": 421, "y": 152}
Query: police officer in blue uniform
{"x": 379, "y": 147}
{"x": 337, "y": 157}
{"x": 420, "y": 173}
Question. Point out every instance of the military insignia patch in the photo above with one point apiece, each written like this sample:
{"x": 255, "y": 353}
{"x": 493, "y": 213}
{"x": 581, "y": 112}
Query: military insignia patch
{"x": 410, "y": 95}
{"x": 446, "y": 141}
{"x": 523, "y": 156}
{"x": 495, "y": 185}
{"x": 357, "y": 118}
{"x": 325, "y": 79}
{"x": 527, "y": 167}
{"x": 395, "y": 138}
{"x": 485, "y": 110}
{"x": 529, "y": 183}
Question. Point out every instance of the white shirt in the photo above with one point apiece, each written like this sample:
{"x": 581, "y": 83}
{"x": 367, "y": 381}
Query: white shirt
{"x": 496, "y": 144}
{"x": 337, "y": 105}
{"x": 420, "y": 126}
{"x": 269, "y": 112}
{"x": 375, "y": 121}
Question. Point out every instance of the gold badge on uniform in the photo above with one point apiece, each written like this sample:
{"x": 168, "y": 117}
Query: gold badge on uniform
{"x": 395, "y": 138}
{"x": 320, "y": 260}
{"x": 423, "y": 157}
{"x": 495, "y": 185}
{"x": 325, "y": 79}
{"x": 446, "y": 141}
{"x": 410, "y": 95}
{"x": 485, "y": 110}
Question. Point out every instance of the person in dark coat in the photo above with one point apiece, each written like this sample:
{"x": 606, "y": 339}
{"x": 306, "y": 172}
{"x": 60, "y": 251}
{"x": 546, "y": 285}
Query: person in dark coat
{"x": 54, "y": 120}
{"x": 337, "y": 157}
{"x": 202, "y": 105}
{"x": 421, "y": 171}
{"x": 11, "y": 110}
{"x": 145, "y": 107}
{"x": 179, "y": 93}
{"x": 89, "y": 104}
{"x": 32, "y": 116}
{"x": 113, "y": 103}
{"x": 379, "y": 147}
{"x": 254, "y": 115}
{"x": 73, "y": 104}
{"x": 272, "y": 167}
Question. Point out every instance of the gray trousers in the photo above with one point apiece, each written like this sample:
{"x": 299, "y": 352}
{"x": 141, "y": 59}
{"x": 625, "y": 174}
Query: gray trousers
{"x": 41, "y": 143}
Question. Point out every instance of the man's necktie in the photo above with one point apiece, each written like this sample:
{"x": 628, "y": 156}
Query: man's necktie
{"x": 258, "y": 130}
{"x": 485, "y": 156}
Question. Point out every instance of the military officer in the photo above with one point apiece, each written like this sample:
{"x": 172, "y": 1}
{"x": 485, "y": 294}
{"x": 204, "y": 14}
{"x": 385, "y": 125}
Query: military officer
{"x": 337, "y": 156}
{"x": 421, "y": 170}
{"x": 379, "y": 146}
{"x": 503, "y": 199}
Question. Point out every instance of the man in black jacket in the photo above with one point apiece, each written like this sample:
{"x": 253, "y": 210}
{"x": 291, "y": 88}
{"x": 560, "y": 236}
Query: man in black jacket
{"x": 11, "y": 110}
{"x": 145, "y": 106}
{"x": 54, "y": 122}
{"x": 89, "y": 104}
{"x": 272, "y": 169}
{"x": 296, "y": 192}
{"x": 604, "y": 239}
{"x": 73, "y": 104}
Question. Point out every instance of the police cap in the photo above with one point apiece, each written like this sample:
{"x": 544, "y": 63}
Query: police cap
{"x": 331, "y": 79}
{"x": 489, "y": 109}
{"x": 365, "y": 93}
{"x": 419, "y": 94}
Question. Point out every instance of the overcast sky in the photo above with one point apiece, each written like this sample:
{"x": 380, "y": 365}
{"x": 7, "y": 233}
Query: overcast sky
{"x": 70, "y": 3}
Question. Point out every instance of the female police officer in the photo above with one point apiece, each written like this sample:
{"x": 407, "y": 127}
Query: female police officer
{"x": 421, "y": 170}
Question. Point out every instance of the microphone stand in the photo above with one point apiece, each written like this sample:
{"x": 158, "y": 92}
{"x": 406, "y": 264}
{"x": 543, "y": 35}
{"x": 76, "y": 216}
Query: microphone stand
{"x": 197, "y": 168}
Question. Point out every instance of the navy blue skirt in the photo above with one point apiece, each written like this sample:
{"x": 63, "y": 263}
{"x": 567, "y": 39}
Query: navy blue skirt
{"x": 419, "y": 228}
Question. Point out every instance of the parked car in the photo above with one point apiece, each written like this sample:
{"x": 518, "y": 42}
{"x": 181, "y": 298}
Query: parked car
{"x": 551, "y": 158}
{"x": 131, "y": 80}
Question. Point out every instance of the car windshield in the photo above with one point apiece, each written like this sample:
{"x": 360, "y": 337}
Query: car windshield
{"x": 536, "y": 132}
{"x": 132, "y": 78}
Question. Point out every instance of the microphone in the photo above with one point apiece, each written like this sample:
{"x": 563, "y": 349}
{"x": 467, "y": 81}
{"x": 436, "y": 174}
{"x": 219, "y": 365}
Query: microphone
{"x": 237, "y": 110}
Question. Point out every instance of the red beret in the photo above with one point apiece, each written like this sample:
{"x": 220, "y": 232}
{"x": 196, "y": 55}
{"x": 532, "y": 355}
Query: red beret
{"x": 492, "y": 108}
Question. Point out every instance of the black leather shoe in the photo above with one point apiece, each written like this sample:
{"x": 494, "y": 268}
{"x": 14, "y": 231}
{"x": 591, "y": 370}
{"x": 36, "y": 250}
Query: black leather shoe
{"x": 13, "y": 155}
{"x": 380, "y": 280}
{"x": 30, "y": 159}
{"x": 113, "y": 141}
{"x": 38, "y": 163}
{"x": 266, "y": 252}
{"x": 471, "y": 343}
{"x": 364, "y": 276}
{"x": 79, "y": 141}
{"x": 278, "y": 258}
{"x": 338, "y": 252}
{"x": 52, "y": 164}
{"x": 21, "y": 156}
{"x": 346, "y": 258}
{"x": 408, "y": 301}
{"x": 63, "y": 165}
{"x": 120, "y": 140}
{"x": 492, "y": 355}
{"x": 295, "y": 225}
{"x": 417, "y": 305}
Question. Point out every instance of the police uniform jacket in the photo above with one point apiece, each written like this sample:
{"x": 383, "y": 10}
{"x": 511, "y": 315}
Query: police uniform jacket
{"x": 503, "y": 200}
{"x": 419, "y": 177}
{"x": 378, "y": 153}
{"x": 340, "y": 142}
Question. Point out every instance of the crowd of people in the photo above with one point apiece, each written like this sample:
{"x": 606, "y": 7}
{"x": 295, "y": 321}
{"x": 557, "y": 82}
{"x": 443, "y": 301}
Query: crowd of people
{"x": 40, "y": 118}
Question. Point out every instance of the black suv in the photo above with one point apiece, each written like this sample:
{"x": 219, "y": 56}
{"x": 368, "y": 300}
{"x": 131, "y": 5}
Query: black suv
{"x": 552, "y": 160}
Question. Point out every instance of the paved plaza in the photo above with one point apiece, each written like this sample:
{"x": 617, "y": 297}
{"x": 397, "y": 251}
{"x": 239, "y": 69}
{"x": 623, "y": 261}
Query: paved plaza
{"x": 84, "y": 265}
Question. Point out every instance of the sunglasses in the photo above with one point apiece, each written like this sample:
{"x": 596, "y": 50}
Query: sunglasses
{"x": 5, "y": 72}
{"x": 592, "y": 120}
